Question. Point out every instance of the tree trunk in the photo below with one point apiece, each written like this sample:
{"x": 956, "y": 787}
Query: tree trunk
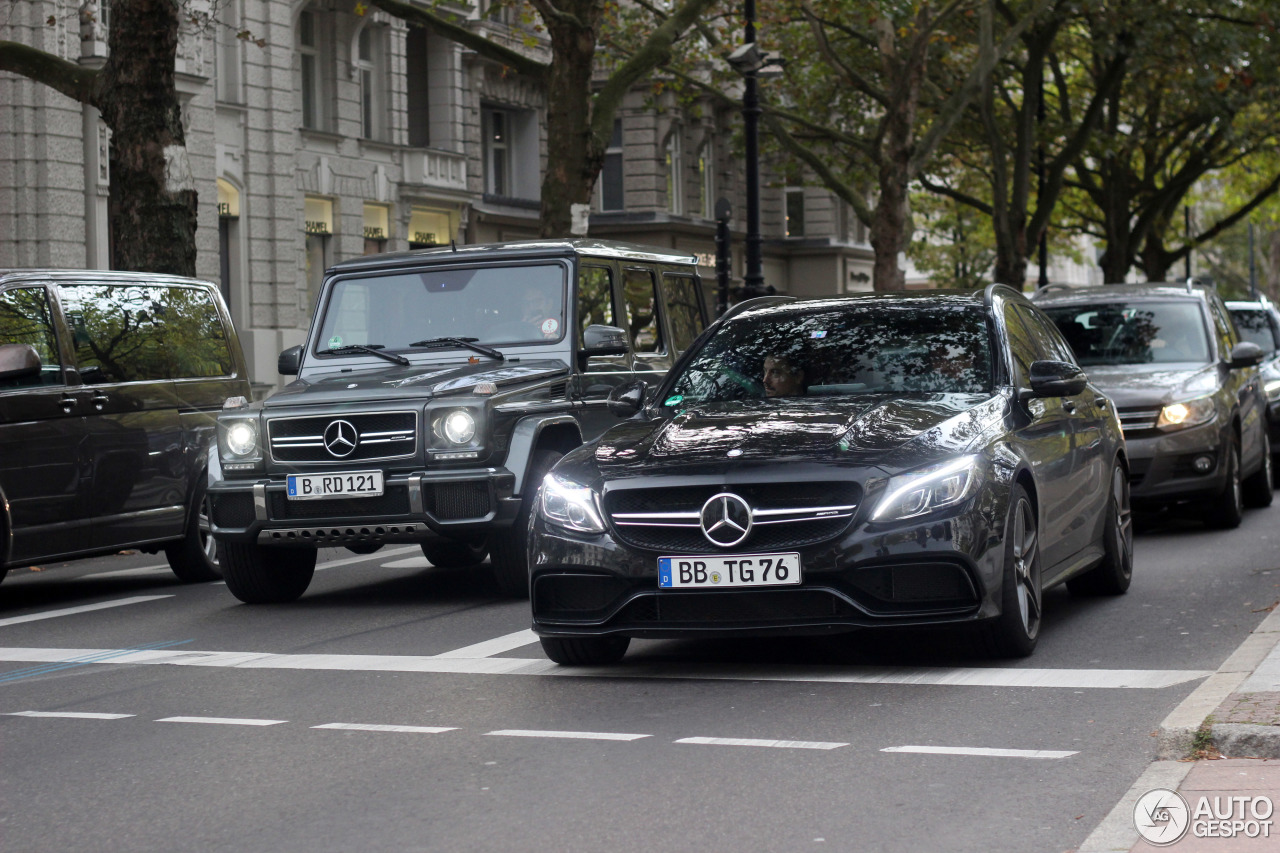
{"x": 890, "y": 231}
{"x": 153, "y": 197}
{"x": 575, "y": 153}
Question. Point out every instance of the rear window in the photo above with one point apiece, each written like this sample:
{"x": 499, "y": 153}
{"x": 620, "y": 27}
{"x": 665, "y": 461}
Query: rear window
{"x": 1256, "y": 326}
{"x": 1140, "y": 332}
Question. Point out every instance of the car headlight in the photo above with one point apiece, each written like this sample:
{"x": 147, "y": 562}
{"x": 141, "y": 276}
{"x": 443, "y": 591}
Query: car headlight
{"x": 242, "y": 438}
{"x": 569, "y": 505}
{"x": 1273, "y": 391}
{"x": 457, "y": 427}
{"x": 924, "y": 490}
{"x": 1188, "y": 413}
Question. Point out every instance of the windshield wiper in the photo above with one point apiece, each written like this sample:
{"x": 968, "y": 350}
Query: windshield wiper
{"x": 469, "y": 343}
{"x": 371, "y": 349}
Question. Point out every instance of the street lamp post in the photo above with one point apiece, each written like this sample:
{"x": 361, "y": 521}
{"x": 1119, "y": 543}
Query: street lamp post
{"x": 754, "y": 279}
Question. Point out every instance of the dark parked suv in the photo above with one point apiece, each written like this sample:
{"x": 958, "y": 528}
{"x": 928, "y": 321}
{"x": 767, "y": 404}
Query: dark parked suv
{"x": 1259, "y": 322}
{"x": 109, "y": 385}
{"x": 435, "y": 391}
{"x": 1186, "y": 388}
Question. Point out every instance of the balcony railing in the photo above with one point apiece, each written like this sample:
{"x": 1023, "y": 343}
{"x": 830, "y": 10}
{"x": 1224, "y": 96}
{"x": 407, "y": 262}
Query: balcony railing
{"x": 439, "y": 169}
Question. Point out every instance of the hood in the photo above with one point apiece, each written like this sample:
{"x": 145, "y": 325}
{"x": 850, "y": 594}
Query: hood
{"x": 1153, "y": 385}
{"x": 418, "y": 380}
{"x": 864, "y": 429}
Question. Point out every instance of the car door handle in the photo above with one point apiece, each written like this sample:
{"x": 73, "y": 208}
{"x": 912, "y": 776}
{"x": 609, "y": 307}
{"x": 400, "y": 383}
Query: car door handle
{"x": 67, "y": 404}
{"x": 99, "y": 401}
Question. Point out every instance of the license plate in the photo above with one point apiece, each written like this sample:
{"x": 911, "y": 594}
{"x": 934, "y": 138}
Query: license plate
{"x": 723, "y": 572}
{"x": 357, "y": 484}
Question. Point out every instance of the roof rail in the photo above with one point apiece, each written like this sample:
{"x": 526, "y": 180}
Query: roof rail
{"x": 756, "y": 302}
{"x": 1049, "y": 288}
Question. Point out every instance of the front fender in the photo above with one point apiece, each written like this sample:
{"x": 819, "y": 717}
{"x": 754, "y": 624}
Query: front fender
{"x": 525, "y": 438}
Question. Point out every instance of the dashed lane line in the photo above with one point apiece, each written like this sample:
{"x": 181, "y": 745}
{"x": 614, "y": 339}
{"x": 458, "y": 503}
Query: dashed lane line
{"x": 1153, "y": 679}
{"x": 566, "y": 735}
{"x": 84, "y": 608}
{"x": 378, "y": 727}
{"x": 70, "y": 715}
{"x": 496, "y": 646}
{"x": 222, "y": 721}
{"x": 982, "y": 751}
{"x": 777, "y": 744}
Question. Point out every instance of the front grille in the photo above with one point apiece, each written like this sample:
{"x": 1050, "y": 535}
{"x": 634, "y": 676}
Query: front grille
{"x": 1135, "y": 420}
{"x": 454, "y": 501}
{"x": 394, "y": 502}
{"x": 785, "y": 515}
{"x": 735, "y": 608}
{"x": 382, "y": 435}
{"x": 232, "y": 510}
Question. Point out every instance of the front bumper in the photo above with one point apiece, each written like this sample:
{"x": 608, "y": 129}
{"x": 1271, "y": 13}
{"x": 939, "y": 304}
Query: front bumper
{"x": 927, "y": 572}
{"x": 1161, "y": 465}
{"x": 414, "y": 507}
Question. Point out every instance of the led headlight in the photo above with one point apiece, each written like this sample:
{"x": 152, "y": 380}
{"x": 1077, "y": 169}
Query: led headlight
{"x": 926, "y": 489}
{"x": 457, "y": 427}
{"x": 242, "y": 438}
{"x": 1188, "y": 413}
{"x": 567, "y": 504}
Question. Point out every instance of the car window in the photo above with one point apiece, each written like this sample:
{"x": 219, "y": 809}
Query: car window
{"x": 1138, "y": 332}
{"x": 1256, "y": 326}
{"x": 495, "y": 305}
{"x": 1226, "y": 331}
{"x": 25, "y": 318}
{"x": 194, "y": 334}
{"x": 1048, "y": 340}
{"x": 1021, "y": 346}
{"x": 640, "y": 289}
{"x": 595, "y": 298}
{"x": 873, "y": 348}
{"x": 682, "y": 308}
{"x": 118, "y": 331}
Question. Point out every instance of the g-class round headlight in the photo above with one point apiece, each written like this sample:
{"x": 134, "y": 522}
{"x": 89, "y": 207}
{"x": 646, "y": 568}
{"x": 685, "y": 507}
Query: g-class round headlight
{"x": 242, "y": 438}
{"x": 459, "y": 427}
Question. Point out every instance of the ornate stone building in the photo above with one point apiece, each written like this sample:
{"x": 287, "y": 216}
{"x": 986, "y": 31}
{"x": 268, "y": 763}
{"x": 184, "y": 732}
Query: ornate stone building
{"x": 345, "y": 134}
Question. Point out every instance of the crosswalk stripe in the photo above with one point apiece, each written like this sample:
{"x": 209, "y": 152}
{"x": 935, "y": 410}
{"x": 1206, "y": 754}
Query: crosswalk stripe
{"x": 496, "y": 646}
{"x": 84, "y": 608}
{"x": 71, "y": 715}
{"x": 983, "y": 751}
{"x": 931, "y": 676}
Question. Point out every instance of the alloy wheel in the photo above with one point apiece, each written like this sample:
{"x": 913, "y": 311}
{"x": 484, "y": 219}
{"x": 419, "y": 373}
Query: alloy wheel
{"x": 1026, "y": 567}
{"x": 1123, "y": 519}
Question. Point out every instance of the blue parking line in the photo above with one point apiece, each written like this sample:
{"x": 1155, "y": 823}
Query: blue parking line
{"x": 44, "y": 669}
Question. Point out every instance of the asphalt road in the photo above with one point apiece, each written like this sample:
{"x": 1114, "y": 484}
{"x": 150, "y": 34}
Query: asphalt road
{"x": 398, "y": 707}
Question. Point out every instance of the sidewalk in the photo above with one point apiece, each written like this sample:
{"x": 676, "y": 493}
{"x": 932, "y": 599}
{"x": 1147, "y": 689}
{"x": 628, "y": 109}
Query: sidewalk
{"x": 1223, "y": 741}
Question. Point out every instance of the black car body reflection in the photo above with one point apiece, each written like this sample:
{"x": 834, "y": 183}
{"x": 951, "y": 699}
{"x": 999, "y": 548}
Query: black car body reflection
{"x": 826, "y": 465}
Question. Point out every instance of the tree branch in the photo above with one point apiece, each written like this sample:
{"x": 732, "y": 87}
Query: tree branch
{"x": 75, "y": 81}
{"x": 828, "y": 178}
{"x": 456, "y": 32}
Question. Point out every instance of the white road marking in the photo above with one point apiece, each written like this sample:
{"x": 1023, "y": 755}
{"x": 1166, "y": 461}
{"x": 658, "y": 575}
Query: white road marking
{"x": 489, "y": 648}
{"x": 418, "y": 562}
{"x": 570, "y": 735}
{"x": 1150, "y": 679}
{"x": 376, "y": 727}
{"x": 73, "y": 715}
{"x": 780, "y": 744}
{"x": 993, "y": 753}
{"x": 124, "y": 573}
{"x": 84, "y": 608}
{"x": 222, "y": 721}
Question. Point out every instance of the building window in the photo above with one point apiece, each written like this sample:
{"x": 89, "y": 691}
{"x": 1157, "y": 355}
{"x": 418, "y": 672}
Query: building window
{"x": 418, "y": 87}
{"x": 313, "y": 59}
{"x": 795, "y": 213}
{"x": 226, "y": 55}
{"x": 377, "y": 229}
{"x": 706, "y": 186}
{"x": 611, "y": 193}
{"x": 228, "y": 240}
{"x": 497, "y": 152}
{"x": 675, "y": 172}
{"x": 318, "y": 225}
{"x": 429, "y": 227}
{"x": 368, "y": 68}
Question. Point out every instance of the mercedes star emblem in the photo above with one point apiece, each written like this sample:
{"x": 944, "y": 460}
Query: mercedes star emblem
{"x": 725, "y": 519}
{"x": 341, "y": 438}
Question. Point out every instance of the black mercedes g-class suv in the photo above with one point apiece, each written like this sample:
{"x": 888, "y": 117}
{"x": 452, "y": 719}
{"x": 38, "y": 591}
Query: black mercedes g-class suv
{"x": 434, "y": 392}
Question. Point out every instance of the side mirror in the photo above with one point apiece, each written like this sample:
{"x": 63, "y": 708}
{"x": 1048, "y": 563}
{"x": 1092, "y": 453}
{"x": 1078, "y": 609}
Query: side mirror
{"x": 626, "y": 400}
{"x": 19, "y": 361}
{"x": 1246, "y": 354}
{"x": 1057, "y": 379}
{"x": 603, "y": 340}
{"x": 288, "y": 362}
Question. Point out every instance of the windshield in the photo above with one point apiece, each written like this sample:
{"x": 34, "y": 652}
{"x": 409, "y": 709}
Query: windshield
{"x": 1134, "y": 332}
{"x": 872, "y": 348}
{"x": 494, "y": 305}
{"x": 1255, "y": 326}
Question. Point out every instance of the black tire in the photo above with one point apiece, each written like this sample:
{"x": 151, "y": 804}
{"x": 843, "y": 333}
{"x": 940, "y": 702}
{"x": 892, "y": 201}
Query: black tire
{"x": 455, "y": 554}
{"x": 194, "y": 557}
{"x": 585, "y": 651}
{"x": 1226, "y": 511}
{"x": 1114, "y": 574}
{"x": 1258, "y": 488}
{"x": 508, "y": 548}
{"x": 1013, "y": 634}
{"x": 258, "y": 575}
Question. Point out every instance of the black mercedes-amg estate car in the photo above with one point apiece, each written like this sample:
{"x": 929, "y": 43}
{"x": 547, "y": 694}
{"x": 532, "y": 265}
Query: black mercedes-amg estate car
{"x": 826, "y": 465}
